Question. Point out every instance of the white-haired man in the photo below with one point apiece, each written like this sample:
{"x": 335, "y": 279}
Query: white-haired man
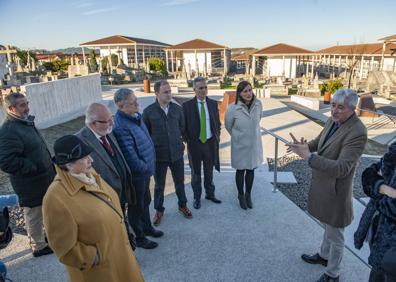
{"x": 333, "y": 156}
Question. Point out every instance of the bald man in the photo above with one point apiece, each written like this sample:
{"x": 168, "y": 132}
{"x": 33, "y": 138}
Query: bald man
{"x": 108, "y": 160}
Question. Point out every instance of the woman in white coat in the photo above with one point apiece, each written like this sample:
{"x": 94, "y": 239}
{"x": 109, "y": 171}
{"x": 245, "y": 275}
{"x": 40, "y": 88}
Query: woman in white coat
{"x": 242, "y": 121}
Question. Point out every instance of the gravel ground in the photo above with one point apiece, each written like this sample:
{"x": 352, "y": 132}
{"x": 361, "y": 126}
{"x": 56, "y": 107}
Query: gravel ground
{"x": 298, "y": 193}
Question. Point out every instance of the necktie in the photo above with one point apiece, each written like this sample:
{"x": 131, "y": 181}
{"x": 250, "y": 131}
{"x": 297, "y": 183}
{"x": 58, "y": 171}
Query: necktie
{"x": 202, "y": 133}
{"x": 107, "y": 145}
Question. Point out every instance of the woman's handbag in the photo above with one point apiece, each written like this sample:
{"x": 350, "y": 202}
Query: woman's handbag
{"x": 131, "y": 235}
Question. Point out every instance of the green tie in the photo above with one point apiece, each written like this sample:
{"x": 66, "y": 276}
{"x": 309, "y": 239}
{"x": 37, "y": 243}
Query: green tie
{"x": 202, "y": 134}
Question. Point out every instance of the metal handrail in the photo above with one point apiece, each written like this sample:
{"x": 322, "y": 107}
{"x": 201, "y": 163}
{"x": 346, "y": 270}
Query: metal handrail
{"x": 277, "y": 137}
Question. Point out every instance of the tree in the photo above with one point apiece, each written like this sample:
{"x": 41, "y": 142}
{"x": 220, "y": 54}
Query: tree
{"x": 157, "y": 64}
{"x": 105, "y": 62}
{"x": 23, "y": 55}
{"x": 356, "y": 52}
{"x": 114, "y": 60}
{"x": 93, "y": 65}
{"x": 56, "y": 66}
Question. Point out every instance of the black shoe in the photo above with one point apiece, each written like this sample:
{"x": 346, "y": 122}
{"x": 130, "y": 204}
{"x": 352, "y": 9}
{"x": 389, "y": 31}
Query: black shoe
{"x": 327, "y": 278}
{"x": 242, "y": 202}
{"x": 197, "y": 204}
{"x": 146, "y": 244}
{"x": 314, "y": 259}
{"x": 213, "y": 199}
{"x": 154, "y": 233}
{"x": 248, "y": 201}
{"x": 45, "y": 251}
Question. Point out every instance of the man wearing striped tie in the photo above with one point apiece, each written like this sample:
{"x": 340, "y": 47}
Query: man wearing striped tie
{"x": 203, "y": 137}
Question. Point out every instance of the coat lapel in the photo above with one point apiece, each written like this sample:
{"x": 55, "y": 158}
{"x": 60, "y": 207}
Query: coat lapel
{"x": 324, "y": 134}
{"x": 344, "y": 128}
{"x": 194, "y": 109}
{"x": 97, "y": 146}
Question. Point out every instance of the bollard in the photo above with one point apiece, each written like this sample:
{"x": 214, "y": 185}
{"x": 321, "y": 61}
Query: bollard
{"x": 146, "y": 86}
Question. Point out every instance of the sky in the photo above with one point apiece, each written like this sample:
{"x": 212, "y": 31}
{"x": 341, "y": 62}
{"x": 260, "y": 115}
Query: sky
{"x": 310, "y": 24}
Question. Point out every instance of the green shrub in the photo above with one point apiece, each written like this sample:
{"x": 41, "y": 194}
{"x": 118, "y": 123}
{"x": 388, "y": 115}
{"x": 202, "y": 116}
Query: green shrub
{"x": 334, "y": 85}
{"x": 323, "y": 88}
{"x": 93, "y": 65}
{"x": 157, "y": 64}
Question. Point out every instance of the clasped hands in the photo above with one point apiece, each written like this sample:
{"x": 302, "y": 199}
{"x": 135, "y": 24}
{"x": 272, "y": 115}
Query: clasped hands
{"x": 299, "y": 147}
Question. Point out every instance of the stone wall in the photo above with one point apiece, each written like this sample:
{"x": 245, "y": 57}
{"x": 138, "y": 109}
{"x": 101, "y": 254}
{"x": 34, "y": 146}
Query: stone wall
{"x": 62, "y": 100}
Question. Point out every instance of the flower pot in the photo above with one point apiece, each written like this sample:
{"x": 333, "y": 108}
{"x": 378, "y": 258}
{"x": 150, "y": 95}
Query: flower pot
{"x": 327, "y": 98}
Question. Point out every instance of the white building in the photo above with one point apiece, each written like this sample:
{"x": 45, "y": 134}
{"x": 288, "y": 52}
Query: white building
{"x": 281, "y": 60}
{"x": 198, "y": 57}
{"x": 133, "y": 52}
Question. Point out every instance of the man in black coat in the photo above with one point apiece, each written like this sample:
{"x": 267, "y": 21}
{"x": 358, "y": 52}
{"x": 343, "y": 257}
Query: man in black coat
{"x": 203, "y": 137}
{"x": 25, "y": 157}
{"x": 165, "y": 123}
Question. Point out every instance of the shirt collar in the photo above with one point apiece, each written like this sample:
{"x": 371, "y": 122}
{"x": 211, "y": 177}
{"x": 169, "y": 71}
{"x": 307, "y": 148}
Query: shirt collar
{"x": 96, "y": 135}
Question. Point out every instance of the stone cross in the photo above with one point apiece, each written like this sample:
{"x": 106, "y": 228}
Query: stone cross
{"x": 8, "y": 51}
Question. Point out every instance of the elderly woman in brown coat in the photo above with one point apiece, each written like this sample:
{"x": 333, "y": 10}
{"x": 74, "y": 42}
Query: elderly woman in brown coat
{"x": 84, "y": 221}
{"x": 242, "y": 121}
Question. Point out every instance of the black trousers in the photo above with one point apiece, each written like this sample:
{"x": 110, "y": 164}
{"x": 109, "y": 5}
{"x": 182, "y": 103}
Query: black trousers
{"x": 204, "y": 155}
{"x": 177, "y": 170}
{"x": 139, "y": 214}
{"x": 380, "y": 276}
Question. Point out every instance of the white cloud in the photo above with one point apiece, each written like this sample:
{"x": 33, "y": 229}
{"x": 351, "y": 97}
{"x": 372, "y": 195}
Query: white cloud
{"x": 99, "y": 11}
{"x": 85, "y": 4}
{"x": 178, "y": 2}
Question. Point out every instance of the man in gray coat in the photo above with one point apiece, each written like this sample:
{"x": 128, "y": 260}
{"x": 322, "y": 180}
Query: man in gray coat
{"x": 108, "y": 160}
{"x": 333, "y": 156}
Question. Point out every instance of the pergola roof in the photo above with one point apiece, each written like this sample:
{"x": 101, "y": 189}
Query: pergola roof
{"x": 244, "y": 55}
{"x": 359, "y": 49}
{"x": 282, "y": 49}
{"x": 197, "y": 44}
{"x": 123, "y": 40}
{"x": 391, "y": 38}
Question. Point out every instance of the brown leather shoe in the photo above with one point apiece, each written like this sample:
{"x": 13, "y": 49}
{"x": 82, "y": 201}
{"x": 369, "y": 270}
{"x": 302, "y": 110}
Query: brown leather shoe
{"x": 185, "y": 212}
{"x": 157, "y": 218}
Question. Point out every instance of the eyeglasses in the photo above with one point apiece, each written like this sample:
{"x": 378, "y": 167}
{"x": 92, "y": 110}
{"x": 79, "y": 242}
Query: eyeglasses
{"x": 104, "y": 121}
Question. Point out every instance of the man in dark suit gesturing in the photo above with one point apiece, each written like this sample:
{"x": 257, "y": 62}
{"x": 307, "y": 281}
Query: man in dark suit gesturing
{"x": 202, "y": 135}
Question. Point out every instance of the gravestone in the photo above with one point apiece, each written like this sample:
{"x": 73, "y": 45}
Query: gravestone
{"x": 366, "y": 106}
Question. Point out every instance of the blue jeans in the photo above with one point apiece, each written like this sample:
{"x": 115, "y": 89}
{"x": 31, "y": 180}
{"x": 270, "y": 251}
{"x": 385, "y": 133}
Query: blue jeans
{"x": 8, "y": 200}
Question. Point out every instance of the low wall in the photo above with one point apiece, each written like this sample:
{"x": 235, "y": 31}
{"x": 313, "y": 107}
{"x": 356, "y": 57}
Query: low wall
{"x": 311, "y": 103}
{"x": 62, "y": 100}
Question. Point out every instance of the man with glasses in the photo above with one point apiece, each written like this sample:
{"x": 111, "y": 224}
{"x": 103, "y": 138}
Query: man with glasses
{"x": 107, "y": 157}
{"x": 25, "y": 157}
{"x": 138, "y": 149}
{"x": 202, "y": 135}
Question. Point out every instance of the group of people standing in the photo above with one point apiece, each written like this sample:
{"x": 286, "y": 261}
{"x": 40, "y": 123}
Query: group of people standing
{"x": 101, "y": 175}
{"x": 93, "y": 195}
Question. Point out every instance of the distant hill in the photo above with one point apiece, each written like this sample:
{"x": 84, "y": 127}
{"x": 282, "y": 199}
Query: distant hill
{"x": 71, "y": 50}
